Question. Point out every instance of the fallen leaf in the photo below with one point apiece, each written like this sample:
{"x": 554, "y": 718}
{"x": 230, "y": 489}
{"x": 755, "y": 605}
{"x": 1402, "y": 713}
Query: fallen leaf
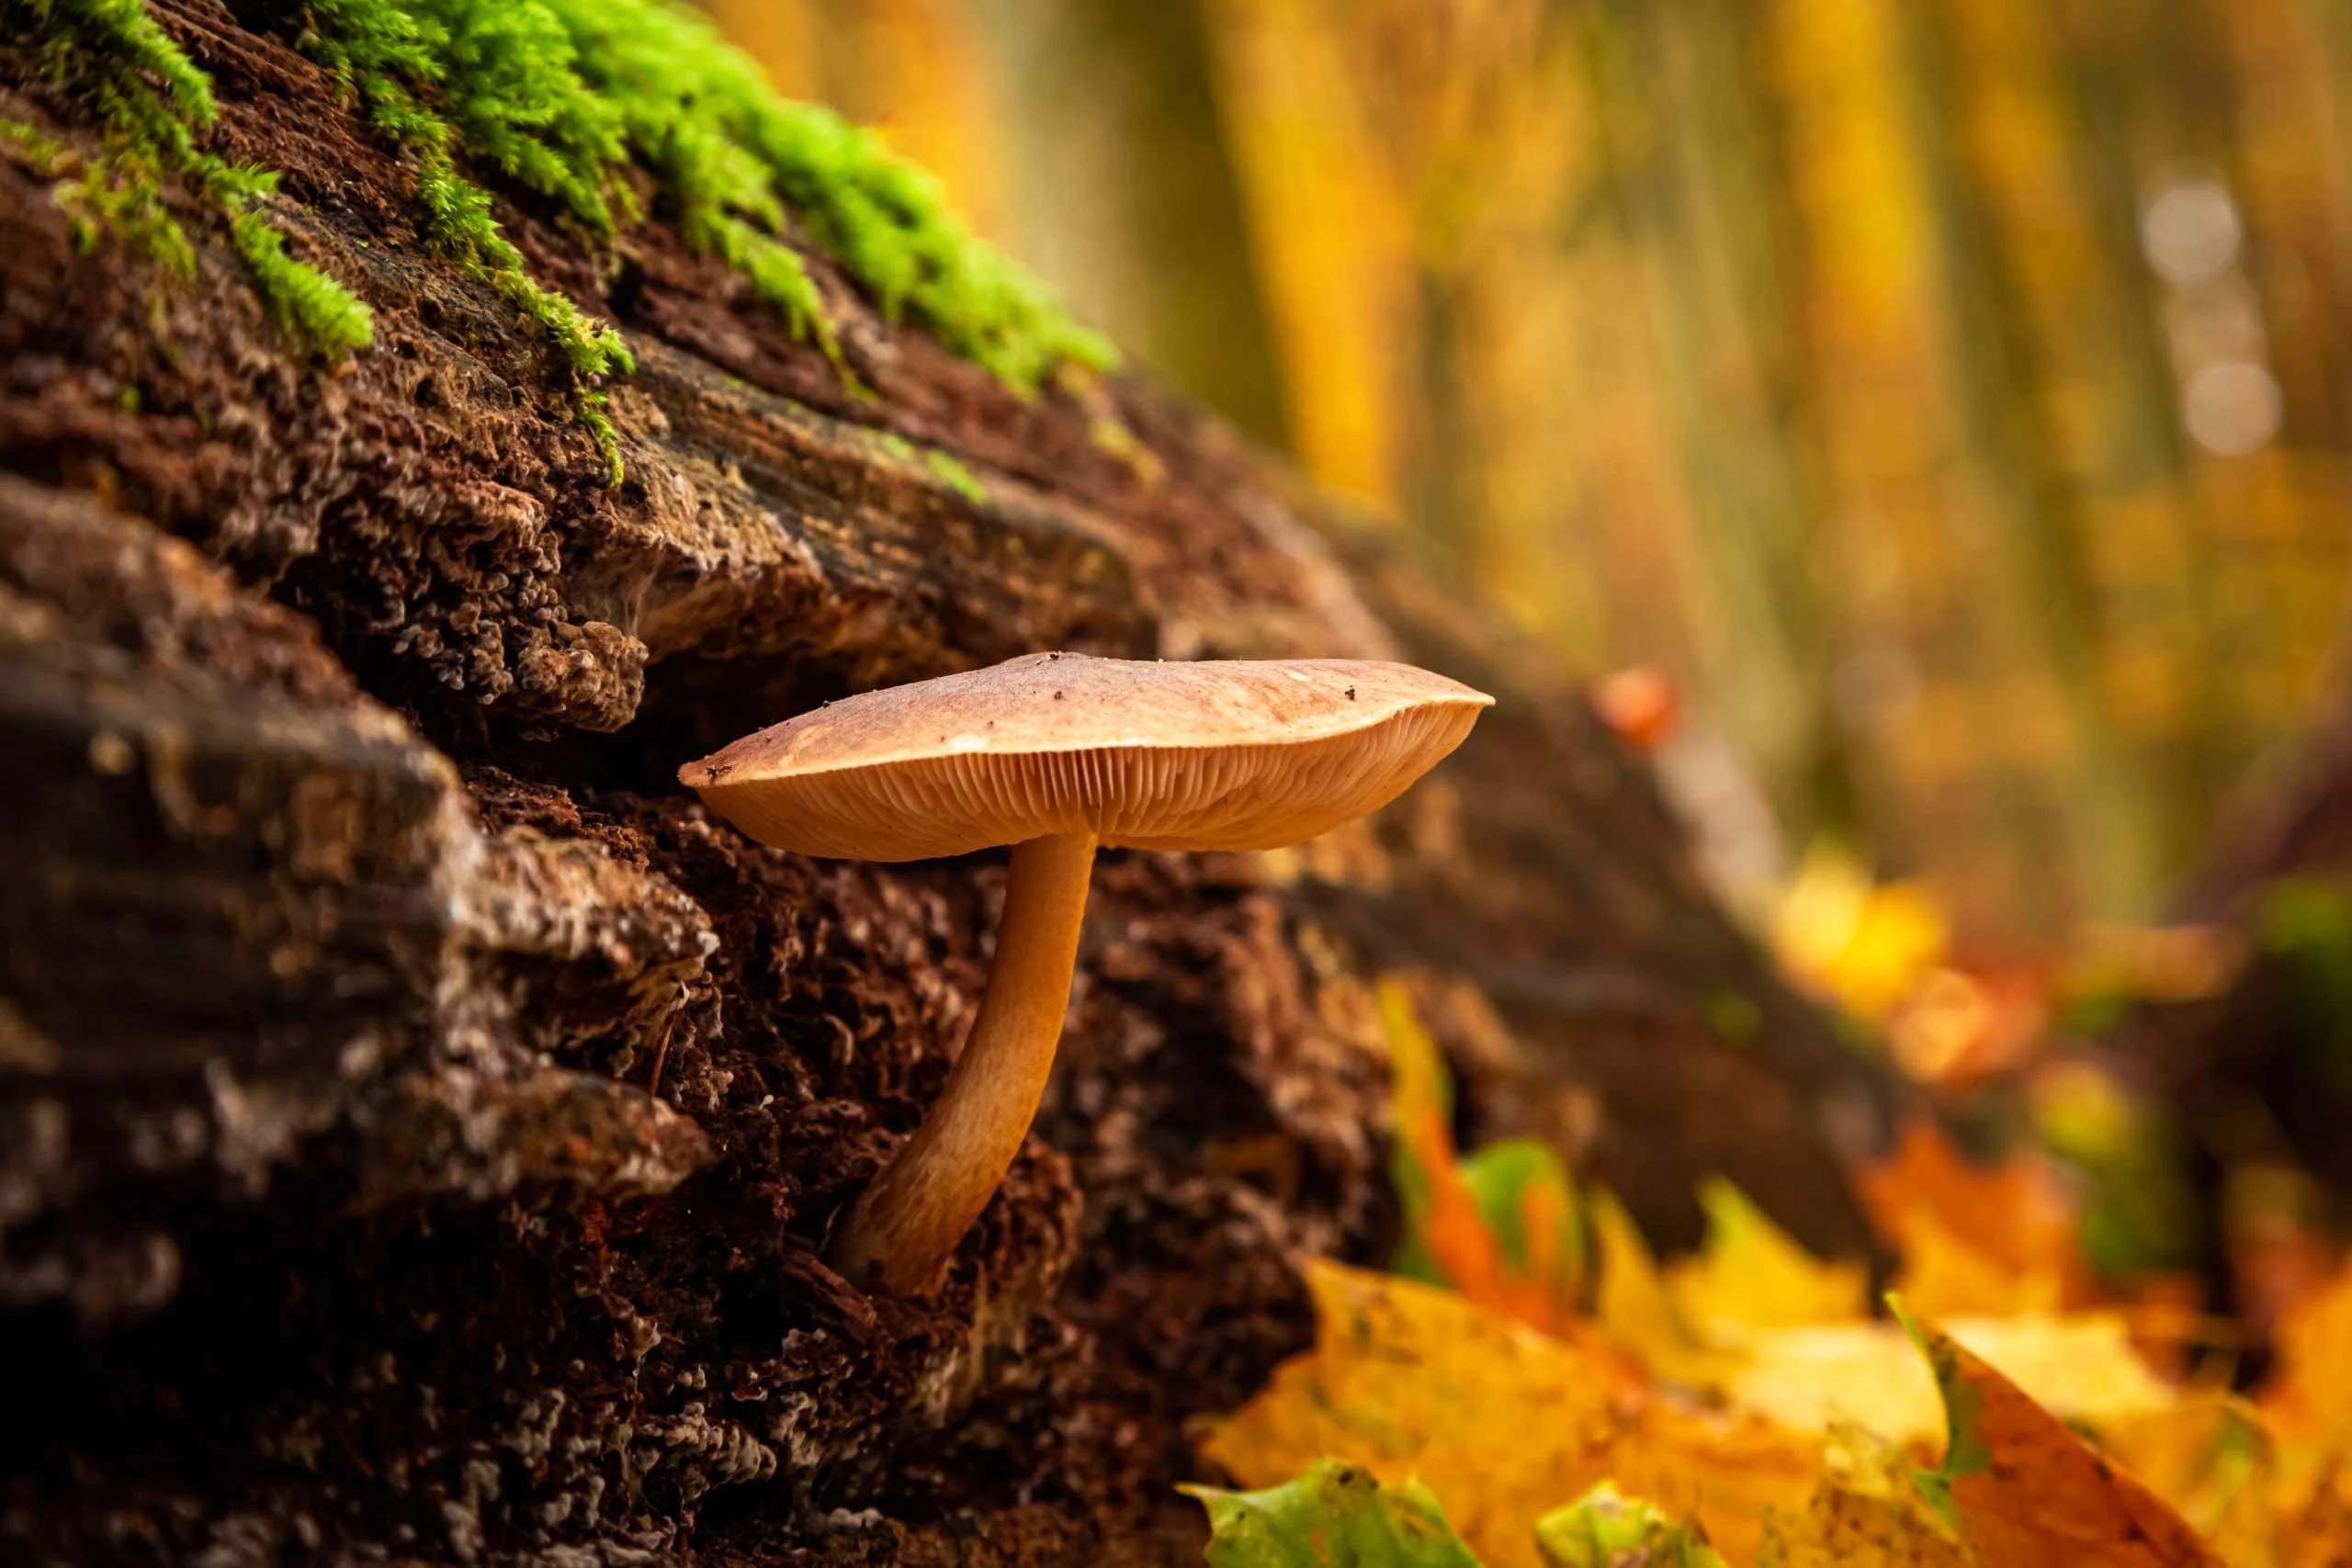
{"x": 1333, "y": 1516}
{"x": 1867, "y": 1512}
{"x": 2309, "y": 1399}
{"x": 2024, "y": 1491}
{"x": 1500, "y": 1227}
{"x": 2210, "y": 1459}
{"x": 1502, "y": 1422}
{"x": 1944, "y": 1276}
{"x": 2016, "y": 1214}
{"x": 1752, "y": 1274}
{"x": 1603, "y": 1529}
{"x": 1635, "y": 1310}
{"x": 2081, "y": 1366}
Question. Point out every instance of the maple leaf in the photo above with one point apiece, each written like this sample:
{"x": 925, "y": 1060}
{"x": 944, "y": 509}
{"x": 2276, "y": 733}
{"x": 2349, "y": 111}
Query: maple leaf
{"x": 2015, "y": 1217}
{"x": 1636, "y": 1311}
{"x": 1333, "y": 1516}
{"x": 1944, "y": 1276}
{"x": 2023, "y": 1491}
{"x": 1752, "y": 1274}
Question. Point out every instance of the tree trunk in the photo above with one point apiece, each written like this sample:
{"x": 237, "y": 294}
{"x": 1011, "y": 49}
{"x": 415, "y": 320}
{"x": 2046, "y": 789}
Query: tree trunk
{"x": 418, "y": 1122}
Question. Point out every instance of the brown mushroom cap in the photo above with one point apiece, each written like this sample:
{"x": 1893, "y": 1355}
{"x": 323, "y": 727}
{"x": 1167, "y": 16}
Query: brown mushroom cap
{"x": 1216, "y": 755}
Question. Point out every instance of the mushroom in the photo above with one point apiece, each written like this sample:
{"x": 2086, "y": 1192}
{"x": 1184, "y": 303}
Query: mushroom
{"x": 1055, "y": 754}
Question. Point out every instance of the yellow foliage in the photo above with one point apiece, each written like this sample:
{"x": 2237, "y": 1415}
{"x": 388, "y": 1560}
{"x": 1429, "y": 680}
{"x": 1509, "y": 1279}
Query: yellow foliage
{"x": 2081, "y": 1366}
{"x": 1634, "y": 1309}
{"x": 1868, "y": 946}
{"x": 1866, "y": 1512}
{"x": 1504, "y": 1423}
{"x": 1944, "y": 1276}
{"x": 2309, "y": 1403}
{"x": 1752, "y": 1274}
{"x": 1442, "y": 1210}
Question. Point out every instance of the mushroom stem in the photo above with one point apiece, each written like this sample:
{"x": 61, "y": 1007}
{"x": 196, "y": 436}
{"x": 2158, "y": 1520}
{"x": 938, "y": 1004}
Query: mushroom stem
{"x": 898, "y": 1235}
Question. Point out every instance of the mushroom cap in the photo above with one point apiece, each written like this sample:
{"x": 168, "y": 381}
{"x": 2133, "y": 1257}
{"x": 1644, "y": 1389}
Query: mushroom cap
{"x": 1213, "y": 755}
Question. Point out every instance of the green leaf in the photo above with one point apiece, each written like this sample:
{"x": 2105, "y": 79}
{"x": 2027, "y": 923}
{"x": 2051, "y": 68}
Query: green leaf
{"x": 1335, "y": 1516}
{"x": 1602, "y": 1530}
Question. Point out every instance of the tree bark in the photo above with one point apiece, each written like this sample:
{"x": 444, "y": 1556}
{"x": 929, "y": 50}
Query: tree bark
{"x": 418, "y": 1122}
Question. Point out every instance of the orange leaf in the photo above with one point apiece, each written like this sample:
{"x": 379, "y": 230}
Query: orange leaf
{"x": 2310, "y": 1399}
{"x": 1441, "y": 1208}
{"x": 2025, "y": 1492}
{"x": 2015, "y": 1215}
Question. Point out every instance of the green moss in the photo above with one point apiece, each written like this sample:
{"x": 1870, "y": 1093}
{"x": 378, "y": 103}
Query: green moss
{"x": 557, "y": 94}
{"x": 502, "y": 87}
{"x": 559, "y": 97}
{"x": 734, "y": 156}
{"x": 305, "y": 301}
{"x": 155, "y": 104}
{"x": 26, "y": 143}
{"x": 955, "y": 476}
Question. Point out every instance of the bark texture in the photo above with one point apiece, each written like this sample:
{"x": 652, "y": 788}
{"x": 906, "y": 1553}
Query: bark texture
{"x": 419, "y": 1123}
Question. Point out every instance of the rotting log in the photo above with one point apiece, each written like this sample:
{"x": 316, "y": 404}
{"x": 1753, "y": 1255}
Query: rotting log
{"x": 2256, "y": 1073}
{"x": 419, "y": 1121}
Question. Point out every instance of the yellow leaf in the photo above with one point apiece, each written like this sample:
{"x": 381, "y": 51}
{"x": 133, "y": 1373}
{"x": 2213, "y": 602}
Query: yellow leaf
{"x": 2309, "y": 1400}
{"x": 1866, "y": 1513}
{"x": 1868, "y": 946}
{"x": 1752, "y": 1274}
{"x": 2209, "y": 1458}
{"x": 1635, "y": 1310}
{"x": 2026, "y": 1492}
{"x": 1501, "y": 1422}
{"x": 2082, "y": 1366}
{"x": 1944, "y": 1276}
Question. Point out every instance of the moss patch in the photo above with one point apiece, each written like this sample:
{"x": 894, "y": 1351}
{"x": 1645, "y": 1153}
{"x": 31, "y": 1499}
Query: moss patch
{"x": 955, "y": 476}
{"x": 155, "y": 104}
{"x": 493, "y": 72}
{"x": 559, "y": 93}
{"x": 560, "y": 96}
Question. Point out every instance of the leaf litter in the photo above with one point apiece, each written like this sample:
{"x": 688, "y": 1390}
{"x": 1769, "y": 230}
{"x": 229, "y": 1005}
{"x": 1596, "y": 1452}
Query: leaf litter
{"x": 1532, "y": 1389}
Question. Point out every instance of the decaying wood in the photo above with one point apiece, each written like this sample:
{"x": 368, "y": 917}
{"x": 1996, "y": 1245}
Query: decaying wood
{"x": 418, "y": 1120}
{"x": 2258, "y": 1072}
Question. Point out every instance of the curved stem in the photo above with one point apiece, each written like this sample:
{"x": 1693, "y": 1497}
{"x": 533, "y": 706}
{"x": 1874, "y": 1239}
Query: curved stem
{"x": 898, "y": 1235}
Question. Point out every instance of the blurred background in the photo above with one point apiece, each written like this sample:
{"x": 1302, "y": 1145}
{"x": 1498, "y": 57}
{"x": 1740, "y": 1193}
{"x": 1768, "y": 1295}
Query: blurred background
{"x": 1947, "y": 397}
